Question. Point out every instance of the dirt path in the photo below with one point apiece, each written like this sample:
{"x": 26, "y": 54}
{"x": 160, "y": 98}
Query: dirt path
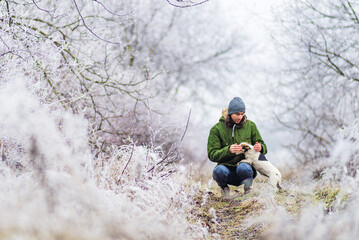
{"x": 224, "y": 217}
{"x": 228, "y": 218}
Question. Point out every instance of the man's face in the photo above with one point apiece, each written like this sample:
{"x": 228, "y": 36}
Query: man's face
{"x": 237, "y": 117}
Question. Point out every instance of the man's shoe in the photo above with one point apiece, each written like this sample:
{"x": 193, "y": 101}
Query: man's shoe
{"x": 226, "y": 192}
{"x": 247, "y": 185}
{"x": 247, "y": 189}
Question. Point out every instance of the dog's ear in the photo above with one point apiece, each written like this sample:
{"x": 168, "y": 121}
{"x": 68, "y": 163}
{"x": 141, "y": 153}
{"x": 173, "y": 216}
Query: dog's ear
{"x": 248, "y": 145}
{"x": 245, "y": 147}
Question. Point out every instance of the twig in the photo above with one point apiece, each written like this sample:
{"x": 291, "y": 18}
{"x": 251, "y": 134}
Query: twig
{"x": 353, "y": 11}
{"x": 163, "y": 159}
{"x": 133, "y": 148}
{"x": 85, "y": 25}
{"x": 8, "y": 12}
{"x": 2, "y": 152}
{"x": 119, "y": 15}
{"x": 4, "y": 43}
{"x": 189, "y": 116}
{"x": 11, "y": 52}
{"x": 44, "y": 10}
{"x": 186, "y": 6}
{"x": 174, "y": 148}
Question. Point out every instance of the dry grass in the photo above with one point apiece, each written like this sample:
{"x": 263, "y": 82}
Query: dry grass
{"x": 228, "y": 218}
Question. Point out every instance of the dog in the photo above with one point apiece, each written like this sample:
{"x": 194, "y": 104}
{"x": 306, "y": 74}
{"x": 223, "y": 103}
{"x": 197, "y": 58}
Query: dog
{"x": 263, "y": 167}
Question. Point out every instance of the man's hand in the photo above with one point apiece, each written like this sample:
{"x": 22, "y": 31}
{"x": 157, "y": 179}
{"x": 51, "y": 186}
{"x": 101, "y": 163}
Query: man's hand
{"x": 257, "y": 147}
{"x": 235, "y": 148}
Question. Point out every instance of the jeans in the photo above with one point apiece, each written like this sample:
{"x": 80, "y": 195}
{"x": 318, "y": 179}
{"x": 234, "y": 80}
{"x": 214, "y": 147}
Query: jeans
{"x": 236, "y": 176}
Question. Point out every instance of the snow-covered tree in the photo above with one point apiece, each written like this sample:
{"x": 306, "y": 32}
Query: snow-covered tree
{"x": 118, "y": 63}
{"x": 67, "y": 79}
{"x": 319, "y": 92}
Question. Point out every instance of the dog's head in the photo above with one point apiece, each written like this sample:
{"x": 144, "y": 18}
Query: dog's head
{"x": 245, "y": 147}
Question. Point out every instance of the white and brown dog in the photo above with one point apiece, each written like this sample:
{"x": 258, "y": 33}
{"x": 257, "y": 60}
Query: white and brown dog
{"x": 263, "y": 167}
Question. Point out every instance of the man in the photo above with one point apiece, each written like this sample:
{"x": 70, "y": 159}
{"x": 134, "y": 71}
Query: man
{"x": 223, "y": 147}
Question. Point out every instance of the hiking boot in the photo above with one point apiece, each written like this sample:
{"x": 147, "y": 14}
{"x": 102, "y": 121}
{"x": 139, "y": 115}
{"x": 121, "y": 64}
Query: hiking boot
{"x": 247, "y": 185}
{"x": 247, "y": 189}
{"x": 226, "y": 192}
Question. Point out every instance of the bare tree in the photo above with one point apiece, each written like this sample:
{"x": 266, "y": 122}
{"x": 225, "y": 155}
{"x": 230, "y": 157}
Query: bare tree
{"x": 319, "y": 93}
{"x": 120, "y": 66}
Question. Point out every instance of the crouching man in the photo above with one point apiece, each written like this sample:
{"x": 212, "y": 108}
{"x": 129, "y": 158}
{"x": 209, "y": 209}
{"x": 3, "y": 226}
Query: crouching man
{"x": 223, "y": 147}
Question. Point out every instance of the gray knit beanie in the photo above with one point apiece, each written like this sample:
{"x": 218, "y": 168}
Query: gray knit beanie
{"x": 236, "y": 105}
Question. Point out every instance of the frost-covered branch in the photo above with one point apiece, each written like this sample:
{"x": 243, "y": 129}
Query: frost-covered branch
{"x": 185, "y": 3}
{"x": 115, "y": 14}
{"x": 44, "y": 10}
{"x": 88, "y": 28}
{"x": 319, "y": 91}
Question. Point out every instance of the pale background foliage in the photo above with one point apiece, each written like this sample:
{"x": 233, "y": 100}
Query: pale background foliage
{"x": 95, "y": 99}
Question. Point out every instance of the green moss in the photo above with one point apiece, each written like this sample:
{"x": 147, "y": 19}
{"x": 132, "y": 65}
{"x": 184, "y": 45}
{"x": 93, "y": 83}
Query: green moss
{"x": 329, "y": 195}
{"x": 293, "y": 202}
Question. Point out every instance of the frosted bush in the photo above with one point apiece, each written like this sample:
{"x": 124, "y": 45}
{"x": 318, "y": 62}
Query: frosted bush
{"x": 344, "y": 159}
{"x": 67, "y": 96}
{"x": 62, "y": 191}
{"x": 335, "y": 220}
{"x": 28, "y": 125}
{"x": 313, "y": 224}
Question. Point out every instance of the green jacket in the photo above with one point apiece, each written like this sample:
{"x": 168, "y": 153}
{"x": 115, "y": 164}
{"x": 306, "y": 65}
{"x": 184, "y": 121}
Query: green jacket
{"x": 220, "y": 139}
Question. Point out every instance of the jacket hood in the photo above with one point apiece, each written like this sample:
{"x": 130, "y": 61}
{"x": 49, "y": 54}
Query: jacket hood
{"x": 225, "y": 113}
